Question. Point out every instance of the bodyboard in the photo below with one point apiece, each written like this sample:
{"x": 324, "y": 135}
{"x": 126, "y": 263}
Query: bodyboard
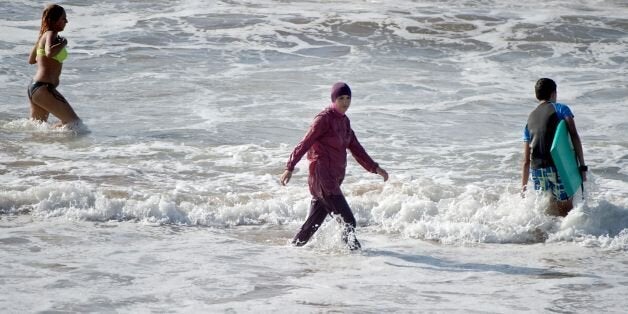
{"x": 564, "y": 157}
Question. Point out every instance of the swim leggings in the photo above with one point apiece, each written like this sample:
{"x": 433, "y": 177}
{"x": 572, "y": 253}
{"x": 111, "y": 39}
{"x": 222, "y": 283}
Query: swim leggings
{"x": 319, "y": 209}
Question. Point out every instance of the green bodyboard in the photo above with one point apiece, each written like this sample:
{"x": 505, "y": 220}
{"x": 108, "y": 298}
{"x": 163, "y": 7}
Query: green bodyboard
{"x": 564, "y": 157}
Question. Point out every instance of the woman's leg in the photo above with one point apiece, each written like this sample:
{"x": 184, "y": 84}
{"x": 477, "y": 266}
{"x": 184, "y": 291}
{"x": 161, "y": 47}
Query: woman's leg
{"x": 338, "y": 205}
{"x": 315, "y": 218}
{"x": 38, "y": 113}
{"x": 51, "y": 101}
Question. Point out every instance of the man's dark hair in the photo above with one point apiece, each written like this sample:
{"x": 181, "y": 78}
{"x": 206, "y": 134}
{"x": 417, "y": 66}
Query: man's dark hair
{"x": 544, "y": 88}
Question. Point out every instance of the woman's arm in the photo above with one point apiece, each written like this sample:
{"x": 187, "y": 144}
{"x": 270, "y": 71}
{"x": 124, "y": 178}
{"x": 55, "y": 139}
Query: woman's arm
{"x": 52, "y": 48}
{"x": 318, "y": 128}
{"x": 32, "y": 58}
{"x": 363, "y": 158}
{"x": 360, "y": 154}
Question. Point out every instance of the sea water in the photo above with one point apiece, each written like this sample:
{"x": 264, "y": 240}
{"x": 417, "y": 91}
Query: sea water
{"x": 168, "y": 198}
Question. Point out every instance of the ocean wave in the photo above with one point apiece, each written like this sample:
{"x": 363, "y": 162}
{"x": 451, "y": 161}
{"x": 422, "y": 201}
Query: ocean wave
{"x": 421, "y": 209}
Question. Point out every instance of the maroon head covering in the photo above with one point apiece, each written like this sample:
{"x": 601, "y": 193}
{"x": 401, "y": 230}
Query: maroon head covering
{"x": 340, "y": 89}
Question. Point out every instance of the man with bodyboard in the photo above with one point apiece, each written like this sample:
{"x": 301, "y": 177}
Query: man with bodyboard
{"x": 552, "y": 151}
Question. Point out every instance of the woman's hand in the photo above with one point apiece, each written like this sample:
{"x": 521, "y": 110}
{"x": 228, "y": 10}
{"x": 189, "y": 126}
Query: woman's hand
{"x": 285, "y": 177}
{"x": 61, "y": 41}
{"x": 382, "y": 173}
{"x": 32, "y": 58}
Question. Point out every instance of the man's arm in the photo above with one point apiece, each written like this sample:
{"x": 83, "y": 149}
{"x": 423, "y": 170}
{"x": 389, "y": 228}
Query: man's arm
{"x": 577, "y": 144}
{"x": 525, "y": 168}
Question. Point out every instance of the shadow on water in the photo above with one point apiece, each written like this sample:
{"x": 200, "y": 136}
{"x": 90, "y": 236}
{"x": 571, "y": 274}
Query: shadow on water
{"x": 438, "y": 264}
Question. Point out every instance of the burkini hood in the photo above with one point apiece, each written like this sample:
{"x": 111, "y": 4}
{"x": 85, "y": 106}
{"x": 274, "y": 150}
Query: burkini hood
{"x": 337, "y": 90}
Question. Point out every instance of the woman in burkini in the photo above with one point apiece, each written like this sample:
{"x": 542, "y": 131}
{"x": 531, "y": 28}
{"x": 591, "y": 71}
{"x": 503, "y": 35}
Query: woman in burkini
{"x": 326, "y": 143}
{"x": 49, "y": 53}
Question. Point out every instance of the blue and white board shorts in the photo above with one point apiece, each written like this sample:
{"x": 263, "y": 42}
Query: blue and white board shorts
{"x": 546, "y": 179}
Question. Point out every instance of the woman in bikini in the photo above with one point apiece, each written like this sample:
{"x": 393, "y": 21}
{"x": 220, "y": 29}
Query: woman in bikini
{"x": 49, "y": 53}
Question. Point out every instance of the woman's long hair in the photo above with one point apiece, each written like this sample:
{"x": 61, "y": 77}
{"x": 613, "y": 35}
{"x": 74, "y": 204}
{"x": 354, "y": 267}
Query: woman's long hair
{"x": 52, "y": 13}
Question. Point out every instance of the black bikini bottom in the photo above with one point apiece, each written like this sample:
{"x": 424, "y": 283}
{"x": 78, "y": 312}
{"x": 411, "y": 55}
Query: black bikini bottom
{"x": 33, "y": 87}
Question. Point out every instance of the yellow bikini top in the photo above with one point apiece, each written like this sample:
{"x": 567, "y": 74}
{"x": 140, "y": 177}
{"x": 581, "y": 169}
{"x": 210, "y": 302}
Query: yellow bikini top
{"x": 60, "y": 57}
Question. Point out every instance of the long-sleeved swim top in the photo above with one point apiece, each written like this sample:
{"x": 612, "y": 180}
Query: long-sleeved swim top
{"x": 326, "y": 144}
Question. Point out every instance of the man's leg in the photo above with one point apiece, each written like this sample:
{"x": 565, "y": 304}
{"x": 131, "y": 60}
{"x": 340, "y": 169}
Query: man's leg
{"x": 562, "y": 208}
{"x": 561, "y": 202}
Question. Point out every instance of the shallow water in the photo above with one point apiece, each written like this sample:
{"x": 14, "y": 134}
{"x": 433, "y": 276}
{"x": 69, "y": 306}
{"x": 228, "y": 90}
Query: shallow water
{"x": 129, "y": 267}
{"x": 191, "y": 110}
